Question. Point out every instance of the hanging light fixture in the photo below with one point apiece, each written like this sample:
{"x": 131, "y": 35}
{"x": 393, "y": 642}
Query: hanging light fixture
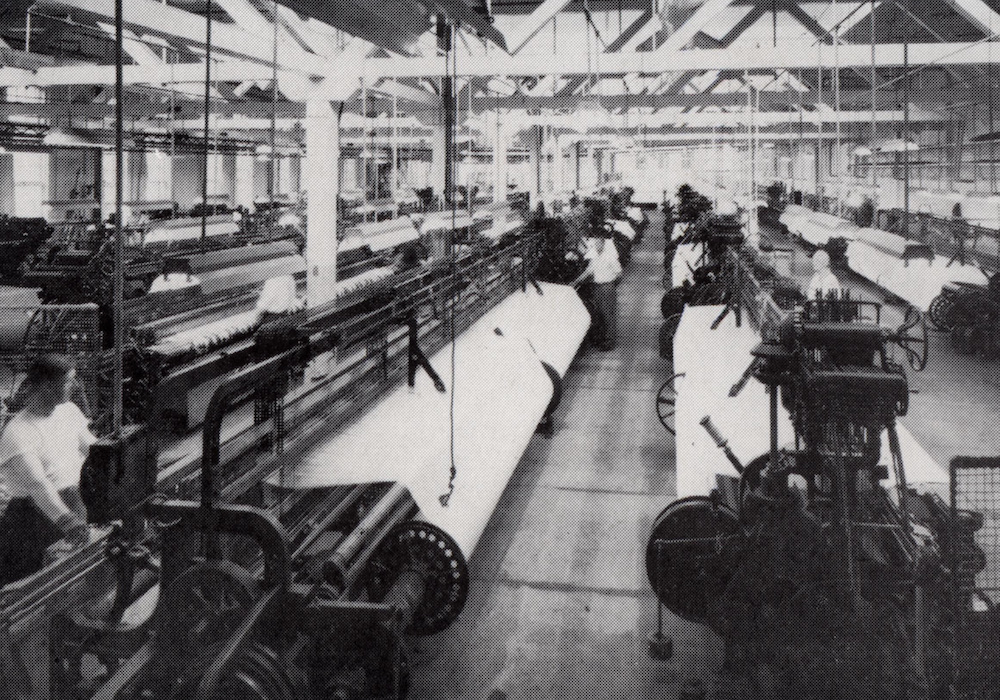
{"x": 861, "y": 152}
{"x": 898, "y": 146}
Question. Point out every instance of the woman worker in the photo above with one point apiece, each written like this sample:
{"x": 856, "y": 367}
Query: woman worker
{"x": 603, "y": 270}
{"x": 42, "y": 449}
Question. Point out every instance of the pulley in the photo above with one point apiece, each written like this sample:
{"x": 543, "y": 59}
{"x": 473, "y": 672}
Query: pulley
{"x": 204, "y": 605}
{"x": 420, "y": 548}
{"x": 257, "y": 674}
{"x": 687, "y": 558}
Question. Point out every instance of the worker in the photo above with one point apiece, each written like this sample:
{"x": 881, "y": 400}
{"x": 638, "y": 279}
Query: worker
{"x": 823, "y": 281}
{"x": 603, "y": 270}
{"x": 42, "y": 449}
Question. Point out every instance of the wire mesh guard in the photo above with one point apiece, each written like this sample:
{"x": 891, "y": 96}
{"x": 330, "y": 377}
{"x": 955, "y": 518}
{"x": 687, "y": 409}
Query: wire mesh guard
{"x": 975, "y": 559}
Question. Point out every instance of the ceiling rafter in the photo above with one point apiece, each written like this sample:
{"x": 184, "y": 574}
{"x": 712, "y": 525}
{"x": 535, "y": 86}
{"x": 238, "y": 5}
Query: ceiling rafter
{"x": 694, "y": 24}
{"x": 576, "y": 83}
{"x": 526, "y": 30}
{"x": 174, "y": 23}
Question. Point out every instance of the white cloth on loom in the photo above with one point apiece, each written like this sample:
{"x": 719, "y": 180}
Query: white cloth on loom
{"x": 278, "y": 296}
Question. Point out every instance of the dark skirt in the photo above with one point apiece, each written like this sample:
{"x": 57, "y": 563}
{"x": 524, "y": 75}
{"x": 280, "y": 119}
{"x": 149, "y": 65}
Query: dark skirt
{"x": 25, "y": 533}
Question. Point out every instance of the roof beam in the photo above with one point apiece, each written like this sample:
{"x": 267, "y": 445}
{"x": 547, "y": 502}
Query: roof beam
{"x": 163, "y": 20}
{"x": 694, "y": 24}
{"x": 748, "y": 19}
{"x": 806, "y": 20}
{"x": 393, "y": 88}
{"x": 338, "y": 87}
{"x": 855, "y": 18}
{"x": 137, "y": 50}
{"x": 979, "y": 13}
{"x": 533, "y": 23}
{"x": 561, "y": 64}
{"x": 653, "y": 24}
{"x": 850, "y": 100}
{"x": 649, "y": 62}
{"x": 724, "y": 120}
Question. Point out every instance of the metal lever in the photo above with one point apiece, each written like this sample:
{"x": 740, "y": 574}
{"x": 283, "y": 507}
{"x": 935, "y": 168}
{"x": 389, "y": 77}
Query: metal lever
{"x": 744, "y": 378}
{"x": 721, "y": 443}
{"x": 417, "y": 358}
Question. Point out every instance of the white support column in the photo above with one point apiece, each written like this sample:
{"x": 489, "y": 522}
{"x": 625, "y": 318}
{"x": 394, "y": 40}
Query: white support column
{"x": 558, "y": 183}
{"x": 322, "y": 157}
{"x": 500, "y": 163}
{"x": 438, "y": 159}
{"x": 243, "y": 185}
{"x": 575, "y": 174}
{"x": 31, "y": 182}
{"x": 535, "y": 171}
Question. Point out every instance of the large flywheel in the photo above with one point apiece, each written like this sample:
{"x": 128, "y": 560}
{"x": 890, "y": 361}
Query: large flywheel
{"x": 688, "y": 555}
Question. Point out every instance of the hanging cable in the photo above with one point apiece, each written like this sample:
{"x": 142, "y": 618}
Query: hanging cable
{"x": 450, "y": 104}
{"x": 119, "y": 281}
{"x": 836, "y": 159}
{"x": 205, "y": 141}
{"x": 272, "y": 176}
{"x": 871, "y": 143}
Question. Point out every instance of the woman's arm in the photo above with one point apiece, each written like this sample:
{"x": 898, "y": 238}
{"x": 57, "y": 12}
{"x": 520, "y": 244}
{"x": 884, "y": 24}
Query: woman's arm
{"x": 26, "y": 471}
{"x": 43, "y": 492}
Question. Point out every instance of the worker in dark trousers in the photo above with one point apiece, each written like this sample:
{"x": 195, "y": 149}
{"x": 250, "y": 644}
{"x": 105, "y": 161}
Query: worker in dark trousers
{"x": 602, "y": 272}
{"x": 42, "y": 449}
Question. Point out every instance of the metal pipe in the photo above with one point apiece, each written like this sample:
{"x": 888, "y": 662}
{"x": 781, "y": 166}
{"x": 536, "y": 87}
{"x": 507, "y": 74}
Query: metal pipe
{"x": 906, "y": 131}
{"x": 321, "y": 525}
{"x": 721, "y": 443}
{"x": 346, "y": 553}
{"x": 406, "y": 510}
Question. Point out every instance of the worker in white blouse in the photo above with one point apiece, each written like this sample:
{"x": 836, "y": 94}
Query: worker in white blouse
{"x": 603, "y": 270}
{"x": 42, "y": 449}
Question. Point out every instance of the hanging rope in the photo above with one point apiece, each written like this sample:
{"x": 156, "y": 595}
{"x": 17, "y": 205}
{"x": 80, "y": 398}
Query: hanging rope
{"x": 451, "y": 66}
{"x": 205, "y": 141}
{"x": 272, "y": 175}
{"x": 119, "y": 281}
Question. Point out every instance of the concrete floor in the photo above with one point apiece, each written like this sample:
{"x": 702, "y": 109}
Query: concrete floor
{"x": 560, "y": 606}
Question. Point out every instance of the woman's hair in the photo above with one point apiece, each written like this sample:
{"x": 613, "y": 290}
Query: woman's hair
{"x": 48, "y": 367}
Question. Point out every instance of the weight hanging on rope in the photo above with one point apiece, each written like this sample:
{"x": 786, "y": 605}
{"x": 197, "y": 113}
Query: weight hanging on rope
{"x": 431, "y": 553}
{"x": 667, "y": 332}
{"x": 686, "y": 559}
{"x": 557, "y": 390}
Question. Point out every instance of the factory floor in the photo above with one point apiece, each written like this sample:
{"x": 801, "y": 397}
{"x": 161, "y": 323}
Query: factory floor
{"x": 560, "y": 606}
